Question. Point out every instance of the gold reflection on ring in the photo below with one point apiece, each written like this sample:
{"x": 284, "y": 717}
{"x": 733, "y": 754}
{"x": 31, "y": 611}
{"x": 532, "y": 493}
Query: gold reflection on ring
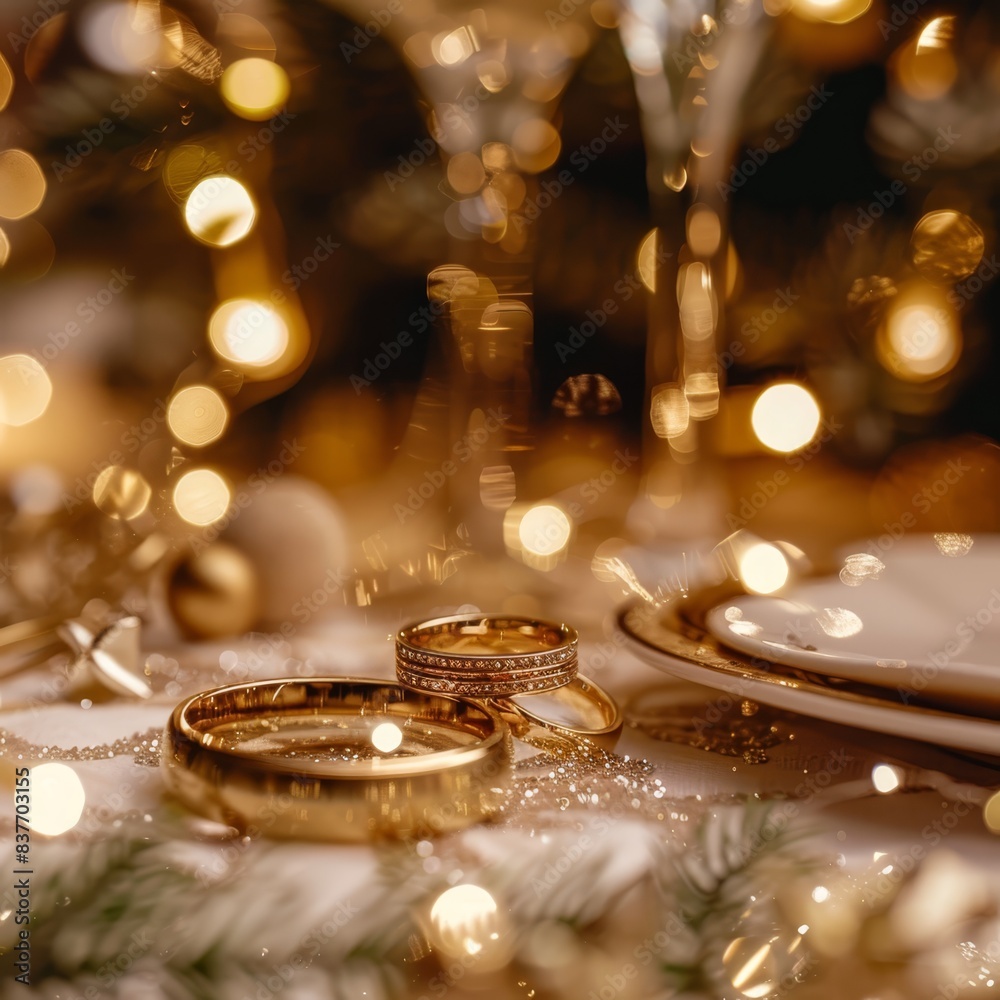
{"x": 197, "y": 415}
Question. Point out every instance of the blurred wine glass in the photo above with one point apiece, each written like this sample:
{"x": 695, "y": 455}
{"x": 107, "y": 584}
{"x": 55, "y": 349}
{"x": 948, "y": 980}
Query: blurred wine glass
{"x": 692, "y": 61}
{"x": 490, "y": 80}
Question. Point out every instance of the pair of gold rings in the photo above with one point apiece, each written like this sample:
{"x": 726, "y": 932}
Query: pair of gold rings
{"x": 354, "y": 759}
{"x": 527, "y": 666}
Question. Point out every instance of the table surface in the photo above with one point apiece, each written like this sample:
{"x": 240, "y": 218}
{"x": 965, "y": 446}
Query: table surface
{"x": 625, "y": 809}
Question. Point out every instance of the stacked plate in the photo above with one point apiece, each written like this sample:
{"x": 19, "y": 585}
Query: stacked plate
{"x": 904, "y": 639}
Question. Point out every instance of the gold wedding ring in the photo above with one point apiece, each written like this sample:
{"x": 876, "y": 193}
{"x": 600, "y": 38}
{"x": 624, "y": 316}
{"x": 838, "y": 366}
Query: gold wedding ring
{"x": 339, "y": 759}
{"x": 485, "y": 656}
{"x": 581, "y": 710}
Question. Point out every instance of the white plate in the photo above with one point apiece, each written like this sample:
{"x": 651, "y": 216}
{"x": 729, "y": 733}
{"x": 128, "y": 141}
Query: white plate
{"x": 912, "y": 618}
{"x": 664, "y": 639}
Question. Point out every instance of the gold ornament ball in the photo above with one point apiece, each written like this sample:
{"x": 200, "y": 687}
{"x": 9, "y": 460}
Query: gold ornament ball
{"x": 214, "y": 593}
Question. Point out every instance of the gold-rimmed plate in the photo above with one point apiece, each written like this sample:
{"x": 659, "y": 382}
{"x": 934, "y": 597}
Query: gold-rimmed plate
{"x": 672, "y": 638}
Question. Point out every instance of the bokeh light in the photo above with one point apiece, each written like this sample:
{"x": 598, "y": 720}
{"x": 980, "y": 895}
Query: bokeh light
{"x": 947, "y": 245}
{"x": 544, "y": 530}
{"x": 248, "y": 333}
{"x": 925, "y": 66}
{"x": 704, "y": 230}
{"x": 22, "y": 184}
{"x": 201, "y": 497}
{"x": 57, "y": 798}
{"x": 831, "y": 11}
{"x": 919, "y": 339}
{"x": 646, "y": 262}
{"x": 116, "y": 38}
{"x": 465, "y": 173}
{"x": 121, "y": 493}
{"x": 785, "y": 417}
{"x": 669, "y": 411}
{"x": 197, "y": 415}
{"x": 453, "y": 47}
{"x": 465, "y": 922}
{"x": 991, "y": 813}
{"x": 219, "y": 211}
{"x": 6, "y": 83}
{"x": 25, "y": 389}
{"x": 255, "y": 88}
{"x": 536, "y": 145}
{"x": 763, "y": 568}
{"x": 539, "y": 534}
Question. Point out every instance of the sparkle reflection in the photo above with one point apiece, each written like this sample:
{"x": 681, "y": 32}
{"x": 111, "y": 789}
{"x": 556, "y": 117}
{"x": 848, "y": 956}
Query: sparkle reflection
{"x": 839, "y": 622}
{"x": 386, "y": 737}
